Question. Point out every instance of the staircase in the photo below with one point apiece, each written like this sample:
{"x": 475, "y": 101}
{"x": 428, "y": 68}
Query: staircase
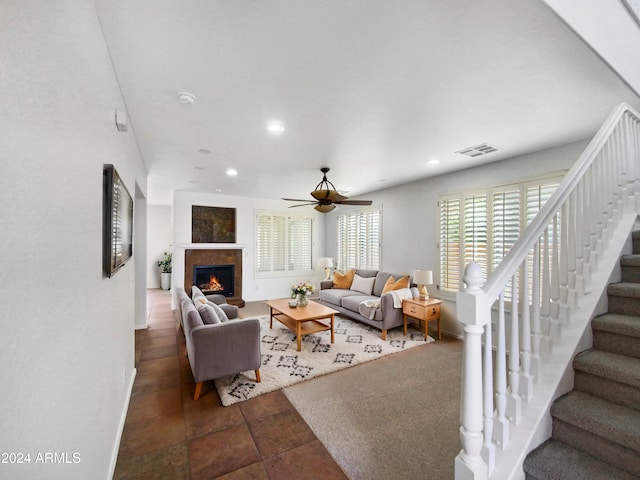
{"x": 596, "y": 426}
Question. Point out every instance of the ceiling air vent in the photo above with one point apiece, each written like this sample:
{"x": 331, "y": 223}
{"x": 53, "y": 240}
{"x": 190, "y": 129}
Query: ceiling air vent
{"x": 478, "y": 150}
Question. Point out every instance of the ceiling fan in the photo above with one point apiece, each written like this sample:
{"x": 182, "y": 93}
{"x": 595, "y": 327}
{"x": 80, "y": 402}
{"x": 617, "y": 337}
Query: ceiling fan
{"x": 326, "y": 198}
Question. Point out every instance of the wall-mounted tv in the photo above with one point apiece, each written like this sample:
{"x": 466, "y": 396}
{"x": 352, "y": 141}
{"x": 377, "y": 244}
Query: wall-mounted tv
{"x": 117, "y": 228}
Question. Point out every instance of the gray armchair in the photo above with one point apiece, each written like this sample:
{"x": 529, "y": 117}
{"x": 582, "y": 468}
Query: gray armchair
{"x": 218, "y": 349}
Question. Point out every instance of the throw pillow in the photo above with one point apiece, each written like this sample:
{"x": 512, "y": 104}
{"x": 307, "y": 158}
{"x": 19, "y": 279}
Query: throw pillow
{"x": 343, "y": 281}
{"x": 392, "y": 284}
{"x": 219, "y": 311}
{"x": 207, "y": 314}
{"x": 363, "y": 285}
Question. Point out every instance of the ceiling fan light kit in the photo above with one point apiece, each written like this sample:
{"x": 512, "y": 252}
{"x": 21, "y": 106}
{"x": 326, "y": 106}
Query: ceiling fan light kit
{"x": 326, "y": 196}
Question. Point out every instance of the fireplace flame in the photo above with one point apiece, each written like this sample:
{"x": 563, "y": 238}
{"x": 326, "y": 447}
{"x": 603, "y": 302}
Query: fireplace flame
{"x": 214, "y": 284}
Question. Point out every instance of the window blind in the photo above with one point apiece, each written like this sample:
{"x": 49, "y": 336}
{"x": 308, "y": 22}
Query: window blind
{"x": 482, "y": 226}
{"x": 359, "y": 239}
{"x": 284, "y": 243}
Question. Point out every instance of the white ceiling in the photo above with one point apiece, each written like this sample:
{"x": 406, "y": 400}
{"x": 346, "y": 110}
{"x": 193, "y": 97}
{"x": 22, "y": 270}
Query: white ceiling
{"x": 371, "y": 88}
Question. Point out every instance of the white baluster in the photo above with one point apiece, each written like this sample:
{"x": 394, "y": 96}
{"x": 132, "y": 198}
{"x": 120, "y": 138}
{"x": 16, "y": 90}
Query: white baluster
{"x": 472, "y": 311}
{"x": 554, "y": 324}
{"x": 563, "y": 314}
{"x": 579, "y": 223}
{"x": 570, "y": 231}
{"x": 536, "y": 329}
{"x": 514, "y": 403}
{"x": 526, "y": 380}
{"x": 501, "y": 425}
{"x": 545, "y": 304}
{"x": 488, "y": 448}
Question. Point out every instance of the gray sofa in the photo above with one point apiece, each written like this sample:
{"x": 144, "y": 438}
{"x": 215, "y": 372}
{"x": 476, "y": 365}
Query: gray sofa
{"x": 216, "y": 345}
{"x": 348, "y": 302}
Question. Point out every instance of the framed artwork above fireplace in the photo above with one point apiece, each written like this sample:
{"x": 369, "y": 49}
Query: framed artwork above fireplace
{"x": 213, "y": 224}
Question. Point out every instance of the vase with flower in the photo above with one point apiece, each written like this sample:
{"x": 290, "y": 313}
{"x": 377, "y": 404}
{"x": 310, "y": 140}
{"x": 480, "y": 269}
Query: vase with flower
{"x": 301, "y": 290}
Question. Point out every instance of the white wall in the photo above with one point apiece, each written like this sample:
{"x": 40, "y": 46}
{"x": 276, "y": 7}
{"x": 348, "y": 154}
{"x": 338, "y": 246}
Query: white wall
{"x": 253, "y": 288}
{"x": 410, "y": 216}
{"x": 159, "y": 240}
{"x": 66, "y": 332}
{"x": 608, "y": 28}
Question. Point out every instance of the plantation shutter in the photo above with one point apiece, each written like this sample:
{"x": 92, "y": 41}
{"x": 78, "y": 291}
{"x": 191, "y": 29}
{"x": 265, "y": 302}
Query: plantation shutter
{"x": 475, "y": 231}
{"x": 505, "y": 223}
{"x": 283, "y": 243}
{"x": 359, "y": 240}
{"x": 300, "y": 243}
{"x": 449, "y": 243}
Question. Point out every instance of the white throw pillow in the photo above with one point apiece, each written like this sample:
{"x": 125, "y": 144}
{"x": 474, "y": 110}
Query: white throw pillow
{"x": 363, "y": 285}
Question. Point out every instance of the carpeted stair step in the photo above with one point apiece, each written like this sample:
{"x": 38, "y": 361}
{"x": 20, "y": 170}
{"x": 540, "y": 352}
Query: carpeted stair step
{"x": 617, "y": 334}
{"x": 609, "y": 376}
{"x": 554, "y": 460}
{"x": 630, "y": 268}
{"x": 635, "y": 238}
{"x": 624, "y": 298}
{"x": 607, "y": 431}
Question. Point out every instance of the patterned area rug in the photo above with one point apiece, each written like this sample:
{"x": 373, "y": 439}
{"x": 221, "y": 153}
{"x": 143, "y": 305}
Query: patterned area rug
{"x": 283, "y": 365}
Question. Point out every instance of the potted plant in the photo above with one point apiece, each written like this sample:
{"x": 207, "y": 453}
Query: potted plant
{"x": 165, "y": 275}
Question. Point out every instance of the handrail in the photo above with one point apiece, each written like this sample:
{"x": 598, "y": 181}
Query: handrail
{"x": 566, "y": 240}
{"x": 520, "y": 249}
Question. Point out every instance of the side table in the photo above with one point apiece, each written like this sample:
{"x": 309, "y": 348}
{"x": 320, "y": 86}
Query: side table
{"x": 423, "y": 311}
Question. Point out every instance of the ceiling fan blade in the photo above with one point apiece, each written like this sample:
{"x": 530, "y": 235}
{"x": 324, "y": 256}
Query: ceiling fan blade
{"x": 354, "y": 202}
{"x": 303, "y": 204}
{"x": 298, "y": 200}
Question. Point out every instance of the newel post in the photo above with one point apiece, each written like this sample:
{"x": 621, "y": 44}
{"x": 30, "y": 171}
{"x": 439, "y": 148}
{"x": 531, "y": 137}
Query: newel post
{"x": 473, "y": 312}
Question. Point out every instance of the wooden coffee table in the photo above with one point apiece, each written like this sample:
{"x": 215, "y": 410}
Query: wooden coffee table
{"x": 301, "y": 320}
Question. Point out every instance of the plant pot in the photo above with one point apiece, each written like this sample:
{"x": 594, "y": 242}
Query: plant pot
{"x": 165, "y": 281}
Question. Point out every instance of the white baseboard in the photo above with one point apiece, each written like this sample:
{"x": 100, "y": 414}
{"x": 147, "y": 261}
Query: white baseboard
{"x": 123, "y": 417}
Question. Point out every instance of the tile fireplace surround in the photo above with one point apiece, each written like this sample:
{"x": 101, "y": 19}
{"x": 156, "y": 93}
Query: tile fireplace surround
{"x": 217, "y": 256}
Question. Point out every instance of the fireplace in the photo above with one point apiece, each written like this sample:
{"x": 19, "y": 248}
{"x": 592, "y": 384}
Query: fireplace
{"x": 216, "y": 257}
{"x": 217, "y": 279}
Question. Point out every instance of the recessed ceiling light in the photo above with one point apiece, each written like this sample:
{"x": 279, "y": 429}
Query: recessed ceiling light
{"x": 432, "y": 162}
{"x": 218, "y": 190}
{"x": 231, "y": 172}
{"x": 186, "y": 98}
{"x": 204, "y": 151}
{"x": 275, "y": 127}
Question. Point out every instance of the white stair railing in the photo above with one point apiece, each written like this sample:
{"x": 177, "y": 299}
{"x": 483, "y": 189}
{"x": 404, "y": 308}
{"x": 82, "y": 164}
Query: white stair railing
{"x": 565, "y": 240}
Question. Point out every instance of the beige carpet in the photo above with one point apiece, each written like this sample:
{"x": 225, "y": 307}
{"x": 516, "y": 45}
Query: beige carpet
{"x": 395, "y": 418}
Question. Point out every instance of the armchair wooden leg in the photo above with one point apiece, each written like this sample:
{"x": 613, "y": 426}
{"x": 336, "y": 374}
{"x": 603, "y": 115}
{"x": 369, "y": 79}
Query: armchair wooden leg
{"x": 258, "y": 375}
{"x": 198, "y": 390}
{"x": 384, "y": 335}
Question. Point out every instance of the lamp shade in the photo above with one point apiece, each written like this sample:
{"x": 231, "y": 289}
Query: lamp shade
{"x": 423, "y": 277}
{"x": 325, "y": 262}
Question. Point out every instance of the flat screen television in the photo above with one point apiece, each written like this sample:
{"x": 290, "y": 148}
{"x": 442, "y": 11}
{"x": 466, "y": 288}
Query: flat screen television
{"x": 117, "y": 227}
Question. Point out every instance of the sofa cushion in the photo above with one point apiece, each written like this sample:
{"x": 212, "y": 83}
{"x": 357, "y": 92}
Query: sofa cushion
{"x": 208, "y": 314}
{"x": 381, "y": 280}
{"x": 343, "y": 281}
{"x": 362, "y": 285}
{"x": 353, "y": 303}
{"x": 220, "y": 313}
{"x": 366, "y": 273}
{"x": 335, "y": 295}
{"x": 392, "y": 284}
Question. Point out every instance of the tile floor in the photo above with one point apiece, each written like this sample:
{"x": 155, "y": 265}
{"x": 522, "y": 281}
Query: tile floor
{"x": 169, "y": 436}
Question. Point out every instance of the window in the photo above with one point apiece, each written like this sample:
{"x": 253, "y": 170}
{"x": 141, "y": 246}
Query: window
{"x": 482, "y": 226}
{"x": 283, "y": 243}
{"x": 359, "y": 240}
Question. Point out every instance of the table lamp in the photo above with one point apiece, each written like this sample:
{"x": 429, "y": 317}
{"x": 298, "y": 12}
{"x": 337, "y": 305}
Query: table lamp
{"x": 327, "y": 264}
{"x": 422, "y": 278}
